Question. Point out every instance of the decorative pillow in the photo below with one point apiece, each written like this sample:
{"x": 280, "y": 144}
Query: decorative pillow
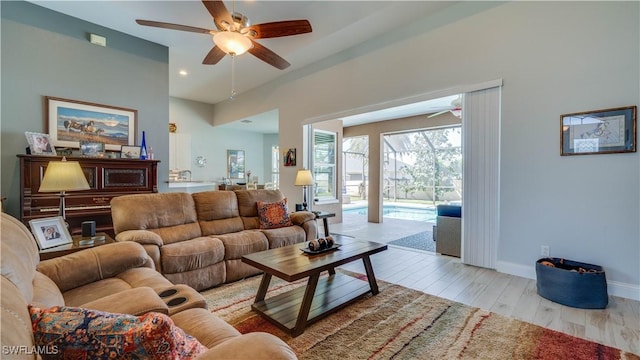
{"x": 273, "y": 215}
{"x": 63, "y": 332}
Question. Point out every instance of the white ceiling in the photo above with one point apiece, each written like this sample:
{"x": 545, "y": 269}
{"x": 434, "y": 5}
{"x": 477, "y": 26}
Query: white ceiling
{"x": 337, "y": 26}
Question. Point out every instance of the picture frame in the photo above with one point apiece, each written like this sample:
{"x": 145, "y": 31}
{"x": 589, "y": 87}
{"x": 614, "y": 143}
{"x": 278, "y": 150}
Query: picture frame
{"x": 40, "y": 144}
{"x": 50, "y": 232}
{"x": 91, "y": 148}
{"x": 130, "y": 152}
{"x": 72, "y": 121}
{"x": 289, "y": 157}
{"x": 606, "y": 131}
{"x": 235, "y": 164}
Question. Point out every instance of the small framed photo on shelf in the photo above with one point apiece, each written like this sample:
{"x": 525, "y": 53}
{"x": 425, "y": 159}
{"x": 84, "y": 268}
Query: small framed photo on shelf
{"x": 50, "y": 232}
{"x": 91, "y": 148}
{"x": 130, "y": 152}
{"x": 605, "y": 131}
{"x": 40, "y": 144}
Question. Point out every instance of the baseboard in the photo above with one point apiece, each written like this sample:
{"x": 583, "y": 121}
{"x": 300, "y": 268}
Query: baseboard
{"x": 615, "y": 288}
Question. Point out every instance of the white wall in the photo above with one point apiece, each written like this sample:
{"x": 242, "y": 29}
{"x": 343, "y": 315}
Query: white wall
{"x": 553, "y": 60}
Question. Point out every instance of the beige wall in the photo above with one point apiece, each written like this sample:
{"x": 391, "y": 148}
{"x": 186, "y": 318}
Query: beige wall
{"x": 375, "y": 132}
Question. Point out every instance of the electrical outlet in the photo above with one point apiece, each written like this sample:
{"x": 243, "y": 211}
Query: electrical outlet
{"x": 544, "y": 250}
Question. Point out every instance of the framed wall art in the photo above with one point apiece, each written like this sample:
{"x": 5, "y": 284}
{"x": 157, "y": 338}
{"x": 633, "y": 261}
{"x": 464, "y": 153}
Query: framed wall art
{"x": 50, "y": 232}
{"x": 40, "y": 144}
{"x": 72, "y": 121}
{"x": 290, "y": 157}
{"x": 235, "y": 164}
{"x": 130, "y": 152}
{"x": 598, "y": 132}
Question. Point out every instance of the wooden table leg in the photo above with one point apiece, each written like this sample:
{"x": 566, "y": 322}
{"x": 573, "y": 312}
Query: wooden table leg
{"x": 264, "y": 286}
{"x": 332, "y": 271}
{"x": 309, "y": 292}
{"x": 372, "y": 278}
{"x": 325, "y": 222}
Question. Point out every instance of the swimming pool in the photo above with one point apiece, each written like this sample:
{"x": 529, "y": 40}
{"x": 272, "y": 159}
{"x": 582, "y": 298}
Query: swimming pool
{"x": 427, "y": 214}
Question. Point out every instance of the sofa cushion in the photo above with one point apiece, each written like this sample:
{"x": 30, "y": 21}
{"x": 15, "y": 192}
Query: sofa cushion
{"x": 19, "y": 255}
{"x": 449, "y": 210}
{"x": 82, "y": 333}
{"x": 247, "y": 204}
{"x": 243, "y": 243}
{"x": 285, "y": 236}
{"x": 191, "y": 254}
{"x": 273, "y": 215}
{"x": 218, "y": 212}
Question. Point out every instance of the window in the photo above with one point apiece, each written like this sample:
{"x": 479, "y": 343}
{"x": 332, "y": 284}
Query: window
{"x": 324, "y": 165}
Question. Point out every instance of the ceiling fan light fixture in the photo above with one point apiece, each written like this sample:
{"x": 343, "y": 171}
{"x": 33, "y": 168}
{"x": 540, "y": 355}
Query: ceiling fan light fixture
{"x": 232, "y": 43}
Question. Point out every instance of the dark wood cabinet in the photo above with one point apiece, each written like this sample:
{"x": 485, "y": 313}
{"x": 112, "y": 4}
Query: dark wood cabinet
{"x": 107, "y": 179}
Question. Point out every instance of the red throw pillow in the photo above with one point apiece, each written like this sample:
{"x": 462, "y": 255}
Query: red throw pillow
{"x": 273, "y": 215}
{"x": 63, "y": 332}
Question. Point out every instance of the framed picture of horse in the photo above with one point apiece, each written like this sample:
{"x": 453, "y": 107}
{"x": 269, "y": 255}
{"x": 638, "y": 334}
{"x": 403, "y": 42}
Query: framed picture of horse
{"x": 72, "y": 121}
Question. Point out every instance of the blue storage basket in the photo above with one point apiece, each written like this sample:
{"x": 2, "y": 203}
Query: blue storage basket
{"x": 585, "y": 290}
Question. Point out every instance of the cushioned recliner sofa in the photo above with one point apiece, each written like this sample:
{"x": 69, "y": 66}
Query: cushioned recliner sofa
{"x": 199, "y": 239}
{"x": 115, "y": 278}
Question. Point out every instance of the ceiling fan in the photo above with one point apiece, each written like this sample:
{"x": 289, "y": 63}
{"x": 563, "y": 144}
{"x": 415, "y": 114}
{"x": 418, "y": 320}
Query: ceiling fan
{"x": 455, "y": 110}
{"x": 235, "y": 36}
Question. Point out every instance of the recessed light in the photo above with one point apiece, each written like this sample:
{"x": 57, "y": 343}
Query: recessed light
{"x": 183, "y": 72}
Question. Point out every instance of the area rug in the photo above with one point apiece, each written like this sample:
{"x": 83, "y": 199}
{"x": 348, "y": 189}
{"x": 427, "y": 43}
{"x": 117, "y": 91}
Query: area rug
{"x": 421, "y": 241}
{"x": 400, "y": 323}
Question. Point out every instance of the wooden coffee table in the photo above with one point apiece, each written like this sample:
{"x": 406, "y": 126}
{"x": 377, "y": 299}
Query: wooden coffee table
{"x": 294, "y": 310}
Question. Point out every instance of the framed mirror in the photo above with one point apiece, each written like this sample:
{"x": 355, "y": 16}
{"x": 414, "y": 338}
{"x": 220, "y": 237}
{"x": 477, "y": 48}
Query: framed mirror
{"x": 235, "y": 164}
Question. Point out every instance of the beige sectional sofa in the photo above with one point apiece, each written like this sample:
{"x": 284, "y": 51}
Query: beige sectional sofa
{"x": 199, "y": 239}
{"x": 105, "y": 278}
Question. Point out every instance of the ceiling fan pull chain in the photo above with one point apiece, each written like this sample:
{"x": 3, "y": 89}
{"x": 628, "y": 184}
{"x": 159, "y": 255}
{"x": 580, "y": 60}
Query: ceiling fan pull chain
{"x": 233, "y": 76}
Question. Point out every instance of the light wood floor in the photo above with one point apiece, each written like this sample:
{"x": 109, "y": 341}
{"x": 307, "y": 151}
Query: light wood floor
{"x": 618, "y": 325}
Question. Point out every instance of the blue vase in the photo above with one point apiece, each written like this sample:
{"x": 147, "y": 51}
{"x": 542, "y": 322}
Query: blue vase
{"x": 143, "y": 148}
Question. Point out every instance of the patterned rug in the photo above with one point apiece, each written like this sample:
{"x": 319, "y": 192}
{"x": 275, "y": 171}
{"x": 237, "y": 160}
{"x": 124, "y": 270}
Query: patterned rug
{"x": 400, "y": 323}
{"x": 421, "y": 241}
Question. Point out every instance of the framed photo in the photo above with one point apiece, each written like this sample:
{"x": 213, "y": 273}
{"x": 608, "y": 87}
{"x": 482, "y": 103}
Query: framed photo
{"x": 235, "y": 164}
{"x": 130, "y": 152}
{"x": 40, "y": 144}
{"x": 50, "y": 232}
{"x": 91, "y": 148}
{"x": 598, "y": 132}
{"x": 290, "y": 157}
{"x": 72, "y": 121}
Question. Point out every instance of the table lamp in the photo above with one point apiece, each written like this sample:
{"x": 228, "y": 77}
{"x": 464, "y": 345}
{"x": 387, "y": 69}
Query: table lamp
{"x": 63, "y": 176}
{"x": 304, "y": 179}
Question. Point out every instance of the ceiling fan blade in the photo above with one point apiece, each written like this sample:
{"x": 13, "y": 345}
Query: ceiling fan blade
{"x": 214, "y": 56}
{"x": 279, "y": 28}
{"x": 438, "y": 113}
{"x": 268, "y": 56}
{"x": 219, "y": 13}
{"x": 171, "y": 26}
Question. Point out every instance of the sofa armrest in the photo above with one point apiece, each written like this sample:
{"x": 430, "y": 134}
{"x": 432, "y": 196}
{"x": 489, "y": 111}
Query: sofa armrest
{"x": 136, "y": 301}
{"x": 255, "y": 345}
{"x": 301, "y": 217}
{"x": 143, "y": 237}
{"x": 90, "y": 265}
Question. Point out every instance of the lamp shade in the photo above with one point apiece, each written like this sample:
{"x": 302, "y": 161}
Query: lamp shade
{"x": 63, "y": 176}
{"x": 304, "y": 178}
{"x": 232, "y": 42}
